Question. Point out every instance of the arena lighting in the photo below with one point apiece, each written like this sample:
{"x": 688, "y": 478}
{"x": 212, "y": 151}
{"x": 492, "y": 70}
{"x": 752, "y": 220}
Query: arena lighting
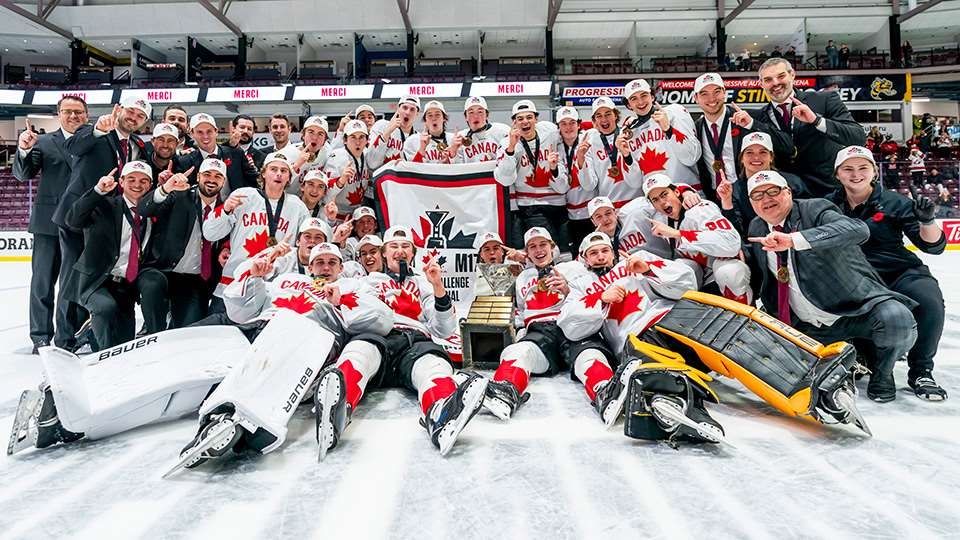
{"x": 921, "y": 100}
{"x": 190, "y": 83}
{"x": 387, "y": 81}
{"x": 480, "y": 78}
{"x": 42, "y": 116}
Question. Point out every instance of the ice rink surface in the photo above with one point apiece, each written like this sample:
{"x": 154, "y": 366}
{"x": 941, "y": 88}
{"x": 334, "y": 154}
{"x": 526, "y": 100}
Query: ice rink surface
{"x": 552, "y": 472}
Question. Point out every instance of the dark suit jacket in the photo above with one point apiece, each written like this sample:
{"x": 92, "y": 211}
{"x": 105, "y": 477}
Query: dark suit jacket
{"x": 257, "y": 155}
{"x": 94, "y": 157}
{"x": 810, "y": 154}
{"x": 239, "y": 172}
{"x": 175, "y": 218}
{"x": 50, "y": 158}
{"x": 101, "y": 219}
{"x": 833, "y": 274}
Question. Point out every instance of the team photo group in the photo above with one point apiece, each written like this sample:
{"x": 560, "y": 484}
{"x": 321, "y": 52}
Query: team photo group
{"x": 644, "y": 251}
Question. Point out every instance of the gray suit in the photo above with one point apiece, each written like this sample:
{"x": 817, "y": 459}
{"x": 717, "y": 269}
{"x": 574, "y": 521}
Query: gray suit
{"x": 50, "y": 159}
{"x": 836, "y": 278}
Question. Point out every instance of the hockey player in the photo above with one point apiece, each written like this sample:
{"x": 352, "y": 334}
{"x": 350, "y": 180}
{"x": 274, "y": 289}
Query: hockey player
{"x": 318, "y": 313}
{"x": 541, "y": 292}
{"x": 699, "y": 236}
{"x": 573, "y": 147}
{"x": 480, "y": 141}
{"x": 661, "y": 139}
{"x": 255, "y": 219}
{"x": 529, "y": 163}
{"x": 609, "y": 163}
{"x": 407, "y": 357}
{"x": 432, "y": 145}
{"x": 490, "y": 250}
{"x": 313, "y": 150}
{"x": 370, "y": 254}
{"x": 313, "y": 189}
{"x": 362, "y": 222}
{"x": 387, "y": 137}
{"x": 348, "y": 171}
{"x": 620, "y": 297}
{"x": 365, "y": 113}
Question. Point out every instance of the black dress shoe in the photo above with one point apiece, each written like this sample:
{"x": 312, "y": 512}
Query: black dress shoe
{"x": 39, "y": 343}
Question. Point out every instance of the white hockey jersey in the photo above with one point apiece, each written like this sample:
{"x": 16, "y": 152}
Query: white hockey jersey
{"x": 635, "y": 230}
{"x": 537, "y": 305}
{"x": 381, "y": 150}
{"x": 351, "y": 195}
{"x": 533, "y": 184}
{"x": 705, "y": 235}
{"x": 652, "y": 151}
{"x": 622, "y": 188}
{"x": 649, "y": 297}
{"x": 484, "y": 145}
{"x": 582, "y": 188}
{"x": 432, "y": 154}
{"x": 317, "y": 162}
{"x": 413, "y": 304}
{"x": 248, "y": 227}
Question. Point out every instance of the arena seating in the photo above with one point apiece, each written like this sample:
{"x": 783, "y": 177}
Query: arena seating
{"x": 15, "y": 199}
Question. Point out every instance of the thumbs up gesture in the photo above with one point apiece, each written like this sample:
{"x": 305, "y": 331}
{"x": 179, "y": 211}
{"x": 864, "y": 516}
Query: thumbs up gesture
{"x": 28, "y": 138}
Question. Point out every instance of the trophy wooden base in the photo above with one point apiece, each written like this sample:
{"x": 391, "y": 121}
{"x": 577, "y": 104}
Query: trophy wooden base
{"x": 486, "y": 331}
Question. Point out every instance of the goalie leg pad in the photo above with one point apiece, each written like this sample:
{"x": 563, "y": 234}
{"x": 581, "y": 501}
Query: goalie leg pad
{"x": 655, "y": 383}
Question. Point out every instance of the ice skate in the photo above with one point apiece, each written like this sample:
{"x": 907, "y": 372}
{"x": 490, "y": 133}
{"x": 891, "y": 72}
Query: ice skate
{"x": 673, "y": 412}
{"x": 333, "y": 412}
{"x": 218, "y": 434}
{"x": 447, "y": 417}
{"x": 502, "y": 399}
{"x": 35, "y": 423}
{"x": 612, "y": 395}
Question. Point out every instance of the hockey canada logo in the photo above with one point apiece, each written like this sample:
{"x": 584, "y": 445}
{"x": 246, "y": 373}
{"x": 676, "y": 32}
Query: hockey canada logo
{"x": 437, "y": 231}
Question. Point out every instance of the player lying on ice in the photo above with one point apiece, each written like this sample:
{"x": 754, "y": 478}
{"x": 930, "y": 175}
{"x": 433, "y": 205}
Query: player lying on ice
{"x": 407, "y": 357}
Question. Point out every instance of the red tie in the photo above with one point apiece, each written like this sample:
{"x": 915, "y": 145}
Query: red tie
{"x": 133, "y": 261}
{"x": 783, "y": 289}
{"x": 205, "y": 270}
{"x": 786, "y": 114}
{"x": 716, "y": 144}
{"x": 124, "y": 150}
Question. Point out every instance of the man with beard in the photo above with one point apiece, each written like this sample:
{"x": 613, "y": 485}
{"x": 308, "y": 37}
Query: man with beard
{"x": 180, "y": 269}
{"x": 241, "y": 136}
{"x": 313, "y": 149}
{"x": 573, "y": 147}
{"x": 47, "y": 155}
{"x": 177, "y": 116}
{"x": 816, "y": 125}
{"x": 480, "y": 141}
{"x": 661, "y": 138}
{"x": 433, "y": 143}
{"x": 529, "y": 163}
{"x": 348, "y": 170}
{"x": 162, "y": 149}
{"x": 240, "y": 173}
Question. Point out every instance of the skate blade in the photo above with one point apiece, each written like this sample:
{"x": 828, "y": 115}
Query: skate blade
{"x": 25, "y": 431}
{"x": 326, "y": 425}
{"x": 473, "y": 399}
{"x": 848, "y": 403}
{"x": 669, "y": 412}
{"x": 497, "y": 408}
{"x": 209, "y": 442}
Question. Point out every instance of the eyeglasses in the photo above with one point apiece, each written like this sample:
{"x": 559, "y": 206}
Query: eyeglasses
{"x": 757, "y": 195}
{"x": 72, "y": 112}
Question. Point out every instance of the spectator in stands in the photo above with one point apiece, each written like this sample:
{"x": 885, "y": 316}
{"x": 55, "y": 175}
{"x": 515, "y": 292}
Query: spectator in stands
{"x": 791, "y": 53}
{"x": 934, "y": 177}
{"x": 813, "y": 277}
{"x": 177, "y": 115}
{"x": 890, "y": 175}
{"x": 928, "y": 124}
{"x": 946, "y": 203}
{"x": 891, "y": 216}
{"x": 844, "y": 56}
{"x": 242, "y": 128}
{"x": 833, "y": 55}
{"x": 944, "y": 144}
{"x": 817, "y": 123}
{"x": 777, "y": 52}
{"x": 240, "y": 173}
{"x": 47, "y": 155}
{"x": 874, "y": 135}
{"x": 918, "y": 170}
{"x": 889, "y": 146}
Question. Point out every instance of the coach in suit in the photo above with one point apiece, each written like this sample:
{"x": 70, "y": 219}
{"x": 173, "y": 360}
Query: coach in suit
{"x": 242, "y": 129}
{"x": 162, "y": 149}
{"x": 180, "y": 269}
{"x": 240, "y": 172}
{"x": 47, "y": 155}
{"x": 115, "y": 237}
{"x": 812, "y": 275}
{"x": 817, "y": 124}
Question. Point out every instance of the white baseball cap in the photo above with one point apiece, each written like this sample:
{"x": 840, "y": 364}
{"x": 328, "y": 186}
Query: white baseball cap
{"x": 485, "y": 237}
{"x": 315, "y": 175}
{"x": 536, "y": 232}
{"x": 137, "y": 102}
{"x": 595, "y": 239}
{"x": 766, "y": 178}
{"x": 634, "y": 86}
{"x": 600, "y": 103}
{"x": 434, "y": 104}
{"x": 202, "y": 118}
{"x": 164, "y": 129}
{"x": 524, "y": 105}
{"x": 369, "y": 240}
{"x": 656, "y": 181}
{"x": 757, "y": 137}
{"x": 354, "y": 126}
{"x": 364, "y": 107}
{"x": 409, "y": 99}
{"x": 363, "y": 211}
{"x": 315, "y": 224}
{"x": 276, "y": 156}
{"x": 325, "y": 248}
{"x": 597, "y": 203}
{"x": 853, "y": 152}
{"x": 398, "y": 233}
{"x": 567, "y": 113}
{"x": 706, "y": 80}
{"x": 137, "y": 167}
{"x": 475, "y": 100}
{"x": 317, "y": 122}
{"x": 213, "y": 164}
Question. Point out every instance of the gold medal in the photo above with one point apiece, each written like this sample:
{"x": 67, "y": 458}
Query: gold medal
{"x": 613, "y": 172}
{"x": 467, "y": 141}
{"x": 783, "y": 274}
{"x": 441, "y": 146}
{"x": 272, "y": 241}
{"x": 717, "y": 165}
{"x": 542, "y": 284}
{"x": 627, "y": 132}
{"x": 318, "y": 283}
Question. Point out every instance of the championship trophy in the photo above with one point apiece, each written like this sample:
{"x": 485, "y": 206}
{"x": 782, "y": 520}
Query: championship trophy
{"x": 488, "y": 327}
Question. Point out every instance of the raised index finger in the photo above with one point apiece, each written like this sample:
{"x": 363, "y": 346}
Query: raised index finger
{"x": 189, "y": 171}
{"x": 757, "y": 239}
{"x": 796, "y": 101}
{"x": 736, "y": 107}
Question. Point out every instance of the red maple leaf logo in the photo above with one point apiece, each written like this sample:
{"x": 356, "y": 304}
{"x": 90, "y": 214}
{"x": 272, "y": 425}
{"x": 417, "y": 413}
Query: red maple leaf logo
{"x": 218, "y": 211}
{"x": 300, "y": 303}
{"x": 543, "y": 300}
{"x": 652, "y": 161}
{"x": 405, "y": 304}
{"x": 592, "y": 299}
{"x": 697, "y": 257}
{"x": 419, "y": 240}
{"x": 349, "y": 300}
{"x": 540, "y": 178}
{"x": 657, "y": 263}
{"x": 679, "y": 136}
{"x": 429, "y": 255}
{"x": 355, "y": 197}
{"x": 574, "y": 177}
{"x": 630, "y": 304}
{"x": 689, "y": 236}
{"x": 256, "y": 243}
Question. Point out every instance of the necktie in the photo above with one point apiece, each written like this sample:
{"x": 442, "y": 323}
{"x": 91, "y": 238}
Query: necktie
{"x": 124, "y": 150}
{"x": 205, "y": 248}
{"x": 783, "y": 285}
{"x": 785, "y": 110}
{"x": 133, "y": 261}
{"x": 716, "y": 144}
